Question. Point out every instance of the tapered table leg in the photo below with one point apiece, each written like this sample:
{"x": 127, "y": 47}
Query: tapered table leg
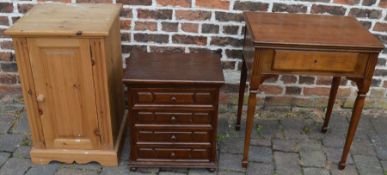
{"x": 242, "y": 87}
{"x": 331, "y": 102}
{"x": 356, "y": 114}
{"x": 249, "y": 125}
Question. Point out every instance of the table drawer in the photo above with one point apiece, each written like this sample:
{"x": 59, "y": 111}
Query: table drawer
{"x": 173, "y": 118}
{"x": 342, "y": 62}
{"x": 173, "y": 96}
{"x": 186, "y": 154}
{"x": 173, "y": 136}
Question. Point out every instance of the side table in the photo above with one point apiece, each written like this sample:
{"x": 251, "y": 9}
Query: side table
{"x": 309, "y": 45}
{"x": 173, "y": 109}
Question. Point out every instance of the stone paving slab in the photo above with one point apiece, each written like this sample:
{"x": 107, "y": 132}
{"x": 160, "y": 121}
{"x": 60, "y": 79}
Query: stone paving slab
{"x": 284, "y": 140}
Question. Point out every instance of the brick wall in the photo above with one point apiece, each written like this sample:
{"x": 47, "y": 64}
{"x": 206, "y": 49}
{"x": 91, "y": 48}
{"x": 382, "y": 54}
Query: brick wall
{"x": 197, "y": 25}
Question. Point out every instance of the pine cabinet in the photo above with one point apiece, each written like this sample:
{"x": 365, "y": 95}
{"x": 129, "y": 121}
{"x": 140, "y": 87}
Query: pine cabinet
{"x": 70, "y": 66}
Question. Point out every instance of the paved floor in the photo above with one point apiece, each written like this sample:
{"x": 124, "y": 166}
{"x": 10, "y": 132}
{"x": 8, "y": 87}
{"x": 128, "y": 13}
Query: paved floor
{"x": 285, "y": 141}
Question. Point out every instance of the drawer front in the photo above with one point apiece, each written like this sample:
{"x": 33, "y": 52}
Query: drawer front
{"x": 173, "y": 136}
{"x": 174, "y": 96}
{"x": 341, "y": 62}
{"x": 173, "y": 118}
{"x": 185, "y": 154}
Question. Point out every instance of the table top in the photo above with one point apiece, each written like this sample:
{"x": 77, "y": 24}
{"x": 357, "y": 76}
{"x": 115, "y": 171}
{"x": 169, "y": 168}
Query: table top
{"x": 173, "y": 68}
{"x": 279, "y": 29}
{"x": 66, "y": 20}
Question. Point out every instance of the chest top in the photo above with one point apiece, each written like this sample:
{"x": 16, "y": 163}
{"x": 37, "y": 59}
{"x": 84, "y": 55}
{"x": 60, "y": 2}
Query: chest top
{"x": 66, "y": 20}
{"x": 174, "y": 68}
{"x": 309, "y": 31}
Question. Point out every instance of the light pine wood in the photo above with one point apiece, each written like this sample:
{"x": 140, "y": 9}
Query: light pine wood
{"x": 61, "y": 70}
{"x": 72, "y": 82}
{"x": 54, "y": 19}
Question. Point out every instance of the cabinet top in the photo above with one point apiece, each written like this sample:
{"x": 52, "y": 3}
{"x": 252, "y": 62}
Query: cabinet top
{"x": 310, "y": 31}
{"x": 173, "y": 68}
{"x": 56, "y": 19}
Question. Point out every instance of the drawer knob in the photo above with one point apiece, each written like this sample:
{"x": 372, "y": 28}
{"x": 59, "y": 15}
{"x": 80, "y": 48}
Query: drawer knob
{"x": 173, "y": 118}
{"x": 173, "y": 154}
{"x": 173, "y": 99}
{"x": 40, "y": 98}
{"x": 173, "y": 137}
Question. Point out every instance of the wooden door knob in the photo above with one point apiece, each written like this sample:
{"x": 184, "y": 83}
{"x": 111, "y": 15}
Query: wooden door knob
{"x": 40, "y": 98}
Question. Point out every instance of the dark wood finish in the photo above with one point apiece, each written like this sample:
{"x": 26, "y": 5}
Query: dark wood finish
{"x": 307, "y": 45}
{"x": 173, "y": 109}
{"x": 331, "y": 102}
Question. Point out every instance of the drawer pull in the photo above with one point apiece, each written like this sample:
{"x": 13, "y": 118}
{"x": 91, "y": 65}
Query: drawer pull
{"x": 173, "y": 118}
{"x": 173, "y": 154}
{"x": 173, "y": 137}
{"x": 40, "y": 98}
{"x": 173, "y": 99}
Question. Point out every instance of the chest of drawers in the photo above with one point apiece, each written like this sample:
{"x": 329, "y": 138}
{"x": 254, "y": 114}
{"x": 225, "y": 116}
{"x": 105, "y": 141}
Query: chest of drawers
{"x": 173, "y": 109}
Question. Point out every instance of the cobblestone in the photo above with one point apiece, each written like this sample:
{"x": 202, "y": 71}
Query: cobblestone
{"x": 284, "y": 141}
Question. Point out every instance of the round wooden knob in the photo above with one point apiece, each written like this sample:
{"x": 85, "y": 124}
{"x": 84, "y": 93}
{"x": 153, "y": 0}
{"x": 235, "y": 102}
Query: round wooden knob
{"x": 40, "y": 98}
{"x": 173, "y": 99}
{"x": 173, "y": 118}
{"x": 173, "y": 137}
{"x": 173, "y": 154}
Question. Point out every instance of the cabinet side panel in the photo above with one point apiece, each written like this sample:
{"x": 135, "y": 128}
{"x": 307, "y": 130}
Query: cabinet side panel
{"x": 29, "y": 94}
{"x": 100, "y": 77}
{"x": 115, "y": 75}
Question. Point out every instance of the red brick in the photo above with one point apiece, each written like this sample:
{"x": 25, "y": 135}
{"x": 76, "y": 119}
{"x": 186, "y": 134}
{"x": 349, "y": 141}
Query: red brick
{"x": 169, "y": 26}
{"x": 279, "y": 100}
{"x": 349, "y": 2}
{"x": 6, "y": 45}
{"x": 324, "y": 80}
{"x": 250, "y": 6}
{"x": 125, "y": 36}
{"x": 180, "y": 3}
{"x": 94, "y": 1}
{"x": 6, "y": 7}
{"x": 318, "y": 91}
{"x": 190, "y": 27}
{"x": 186, "y": 39}
{"x": 158, "y": 49}
{"x": 4, "y": 20}
{"x": 4, "y": 89}
{"x": 225, "y": 16}
{"x": 62, "y": 1}
{"x": 306, "y": 80}
{"x": 383, "y": 3}
{"x": 157, "y": 38}
{"x": 8, "y": 67}
{"x": 369, "y": 2}
{"x": 271, "y": 89}
{"x": 126, "y": 13}
{"x": 334, "y": 10}
{"x": 135, "y": 2}
{"x": 125, "y": 24}
{"x": 8, "y": 78}
{"x": 193, "y": 15}
{"x": 151, "y": 26}
{"x": 154, "y": 14}
{"x": 224, "y": 41}
{"x": 381, "y": 27}
{"x": 365, "y": 13}
{"x": 290, "y": 8}
{"x": 6, "y": 56}
{"x": 293, "y": 90}
{"x": 215, "y": 4}
{"x": 288, "y": 79}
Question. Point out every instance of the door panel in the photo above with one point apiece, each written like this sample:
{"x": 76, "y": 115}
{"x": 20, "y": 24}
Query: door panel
{"x": 62, "y": 71}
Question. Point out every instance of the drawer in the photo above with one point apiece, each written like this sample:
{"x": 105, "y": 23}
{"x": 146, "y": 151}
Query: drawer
{"x": 185, "y": 154}
{"x": 180, "y": 118}
{"x": 341, "y": 62}
{"x": 173, "y": 136}
{"x": 173, "y": 96}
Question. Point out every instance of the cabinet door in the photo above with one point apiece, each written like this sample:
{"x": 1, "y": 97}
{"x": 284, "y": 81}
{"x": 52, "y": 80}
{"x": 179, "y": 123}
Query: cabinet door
{"x": 62, "y": 71}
